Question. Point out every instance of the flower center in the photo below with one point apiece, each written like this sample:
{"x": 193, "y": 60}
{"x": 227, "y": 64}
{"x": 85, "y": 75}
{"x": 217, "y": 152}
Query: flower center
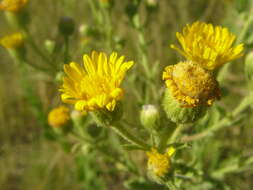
{"x": 194, "y": 81}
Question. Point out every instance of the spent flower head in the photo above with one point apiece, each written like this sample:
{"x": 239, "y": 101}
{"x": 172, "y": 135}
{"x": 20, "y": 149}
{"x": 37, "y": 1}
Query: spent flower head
{"x": 13, "y": 5}
{"x": 12, "y": 41}
{"x": 59, "y": 117}
{"x": 208, "y": 45}
{"x": 191, "y": 84}
{"x": 96, "y": 85}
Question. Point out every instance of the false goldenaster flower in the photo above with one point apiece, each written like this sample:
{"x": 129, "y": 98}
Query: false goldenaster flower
{"x": 12, "y": 41}
{"x": 96, "y": 85}
{"x": 160, "y": 164}
{"x": 208, "y": 45}
{"x": 59, "y": 117}
{"x": 12, "y": 5}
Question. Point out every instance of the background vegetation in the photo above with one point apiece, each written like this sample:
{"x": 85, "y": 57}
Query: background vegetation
{"x": 32, "y": 156}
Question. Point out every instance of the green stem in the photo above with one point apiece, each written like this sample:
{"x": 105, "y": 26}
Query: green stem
{"x": 66, "y": 49}
{"x": 94, "y": 11}
{"x": 171, "y": 186}
{"x": 226, "y": 121}
{"x": 120, "y": 130}
{"x": 36, "y": 49}
{"x": 15, "y": 56}
{"x": 245, "y": 27}
{"x": 175, "y": 135}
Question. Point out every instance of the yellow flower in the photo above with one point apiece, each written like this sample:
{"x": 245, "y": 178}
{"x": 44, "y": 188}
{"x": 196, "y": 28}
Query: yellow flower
{"x": 59, "y": 117}
{"x": 96, "y": 85}
{"x": 12, "y": 5}
{"x": 208, "y": 45}
{"x": 12, "y": 41}
{"x": 160, "y": 164}
{"x": 104, "y": 1}
{"x": 191, "y": 84}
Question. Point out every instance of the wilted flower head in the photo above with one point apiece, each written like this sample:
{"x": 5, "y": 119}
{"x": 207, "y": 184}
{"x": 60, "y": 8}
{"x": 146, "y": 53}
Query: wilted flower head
{"x": 12, "y": 5}
{"x": 208, "y": 45}
{"x": 191, "y": 84}
{"x": 96, "y": 85}
{"x": 59, "y": 117}
{"x": 12, "y": 41}
{"x": 160, "y": 164}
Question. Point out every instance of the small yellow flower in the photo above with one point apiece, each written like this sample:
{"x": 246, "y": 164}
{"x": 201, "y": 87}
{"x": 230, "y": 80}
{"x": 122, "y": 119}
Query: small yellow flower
{"x": 191, "y": 84}
{"x": 160, "y": 164}
{"x": 59, "y": 117}
{"x": 12, "y": 41}
{"x": 12, "y": 5}
{"x": 96, "y": 85}
{"x": 209, "y": 45}
{"x": 104, "y": 1}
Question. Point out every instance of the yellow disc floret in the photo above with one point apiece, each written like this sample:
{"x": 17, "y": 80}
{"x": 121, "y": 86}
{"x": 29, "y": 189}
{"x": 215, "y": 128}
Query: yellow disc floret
{"x": 12, "y": 5}
{"x": 191, "y": 84}
{"x": 59, "y": 117}
{"x": 96, "y": 85}
{"x": 12, "y": 41}
{"x": 160, "y": 164}
{"x": 209, "y": 45}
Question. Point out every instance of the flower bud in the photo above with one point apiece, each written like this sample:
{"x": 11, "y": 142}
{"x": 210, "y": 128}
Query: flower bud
{"x": 106, "y": 118}
{"x": 150, "y": 117}
{"x": 66, "y": 26}
{"x": 178, "y": 114}
{"x": 84, "y": 29}
{"x": 49, "y": 45}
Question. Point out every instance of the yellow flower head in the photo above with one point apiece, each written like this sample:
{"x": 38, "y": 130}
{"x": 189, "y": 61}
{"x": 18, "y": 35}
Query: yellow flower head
{"x": 12, "y": 5}
{"x": 160, "y": 164}
{"x": 104, "y": 1}
{"x": 12, "y": 41}
{"x": 191, "y": 84}
{"x": 96, "y": 85}
{"x": 59, "y": 117}
{"x": 209, "y": 45}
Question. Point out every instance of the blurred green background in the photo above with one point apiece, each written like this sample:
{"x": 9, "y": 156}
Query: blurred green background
{"x": 31, "y": 159}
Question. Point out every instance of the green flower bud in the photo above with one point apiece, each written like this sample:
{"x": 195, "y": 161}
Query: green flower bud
{"x": 49, "y": 45}
{"x": 59, "y": 77}
{"x": 84, "y": 29}
{"x": 150, "y": 117}
{"x": 179, "y": 114}
{"x": 66, "y": 26}
{"x": 106, "y": 118}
